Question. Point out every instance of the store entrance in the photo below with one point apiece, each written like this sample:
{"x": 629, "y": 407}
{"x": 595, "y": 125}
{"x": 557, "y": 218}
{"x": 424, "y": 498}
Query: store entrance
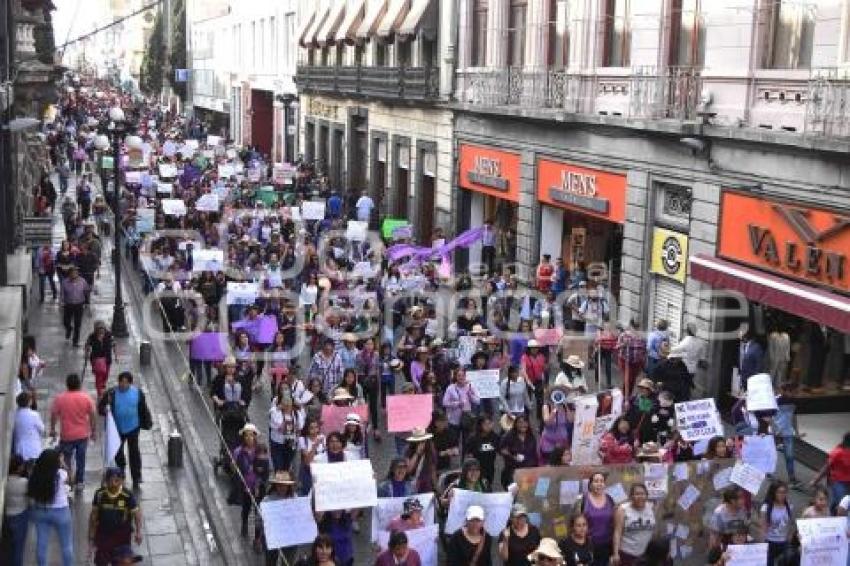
{"x": 593, "y": 245}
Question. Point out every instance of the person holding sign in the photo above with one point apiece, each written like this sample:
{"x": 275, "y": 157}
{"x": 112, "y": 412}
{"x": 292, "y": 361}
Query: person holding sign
{"x": 281, "y": 486}
{"x": 470, "y": 545}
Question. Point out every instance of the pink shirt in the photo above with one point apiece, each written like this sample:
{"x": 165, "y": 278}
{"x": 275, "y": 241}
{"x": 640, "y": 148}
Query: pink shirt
{"x": 74, "y": 409}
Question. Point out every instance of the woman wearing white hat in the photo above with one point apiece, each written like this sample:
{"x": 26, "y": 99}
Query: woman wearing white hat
{"x": 547, "y": 554}
{"x": 244, "y": 456}
{"x": 470, "y": 544}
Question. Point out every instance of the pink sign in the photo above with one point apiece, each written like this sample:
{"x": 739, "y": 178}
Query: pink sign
{"x": 406, "y": 412}
{"x": 333, "y": 417}
{"x": 548, "y": 336}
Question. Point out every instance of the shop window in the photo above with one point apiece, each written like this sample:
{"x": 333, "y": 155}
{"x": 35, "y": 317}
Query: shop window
{"x": 404, "y": 53}
{"x": 325, "y": 56}
{"x": 787, "y": 32}
{"x": 359, "y": 53}
{"x": 558, "y": 55}
{"x": 516, "y": 32}
{"x": 339, "y": 55}
{"x": 381, "y": 54}
{"x": 479, "y": 33}
{"x": 617, "y": 35}
{"x": 687, "y": 34}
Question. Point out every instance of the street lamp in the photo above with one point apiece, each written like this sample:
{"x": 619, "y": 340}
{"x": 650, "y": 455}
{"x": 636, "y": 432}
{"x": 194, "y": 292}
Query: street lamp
{"x": 116, "y": 129}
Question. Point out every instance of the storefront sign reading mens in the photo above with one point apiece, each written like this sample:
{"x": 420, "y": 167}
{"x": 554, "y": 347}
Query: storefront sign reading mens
{"x": 490, "y": 171}
{"x": 795, "y": 240}
{"x": 591, "y": 191}
{"x": 669, "y": 254}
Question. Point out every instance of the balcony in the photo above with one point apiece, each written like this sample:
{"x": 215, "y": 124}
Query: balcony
{"x": 387, "y": 83}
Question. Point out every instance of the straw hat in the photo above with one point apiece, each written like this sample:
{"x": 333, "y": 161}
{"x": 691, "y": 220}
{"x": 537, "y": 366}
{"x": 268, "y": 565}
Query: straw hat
{"x": 342, "y": 394}
{"x": 574, "y": 361}
{"x": 249, "y": 427}
{"x": 532, "y": 344}
{"x": 646, "y": 383}
{"x": 548, "y": 549}
{"x": 282, "y": 477}
{"x": 396, "y": 364}
{"x": 507, "y": 421}
{"x": 349, "y": 337}
{"x": 478, "y": 330}
{"x": 419, "y": 434}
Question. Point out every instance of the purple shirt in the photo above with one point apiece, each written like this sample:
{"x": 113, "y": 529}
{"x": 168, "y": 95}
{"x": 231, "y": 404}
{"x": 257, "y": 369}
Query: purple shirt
{"x": 600, "y": 520}
{"x": 386, "y": 558}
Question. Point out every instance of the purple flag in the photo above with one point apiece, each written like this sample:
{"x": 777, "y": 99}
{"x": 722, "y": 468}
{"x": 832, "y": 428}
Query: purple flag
{"x": 419, "y": 254}
{"x": 261, "y": 330}
{"x": 209, "y": 347}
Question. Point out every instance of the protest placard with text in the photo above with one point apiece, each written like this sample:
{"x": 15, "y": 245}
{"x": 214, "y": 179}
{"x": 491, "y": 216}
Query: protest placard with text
{"x": 485, "y": 382}
{"x": 406, "y": 412}
{"x": 344, "y": 485}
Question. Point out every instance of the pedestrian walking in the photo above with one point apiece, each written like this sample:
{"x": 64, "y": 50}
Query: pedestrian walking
{"x": 100, "y": 351}
{"x": 46, "y": 271}
{"x": 15, "y": 509}
{"x": 75, "y": 291}
{"x": 115, "y": 516}
{"x": 48, "y": 491}
{"x": 29, "y": 429}
{"x": 74, "y": 410}
{"x": 131, "y": 413}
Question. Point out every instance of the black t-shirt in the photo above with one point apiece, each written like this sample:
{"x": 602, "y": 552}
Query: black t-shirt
{"x": 114, "y": 513}
{"x": 460, "y": 551}
{"x": 484, "y": 449}
{"x": 520, "y": 548}
{"x": 576, "y": 554}
{"x": 443, "y": 441}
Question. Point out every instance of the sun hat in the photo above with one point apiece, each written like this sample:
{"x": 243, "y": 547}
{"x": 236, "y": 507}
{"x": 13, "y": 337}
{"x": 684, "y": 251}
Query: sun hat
{"x": 548, "y": 549}
{"x": 478, "y": 329}
{"x": 646, "y": 383}
{"x": 532, "y": 344}
{"x": 282, "y": 477}
{"x": 353, "y": 418}
{"x": 249, "y": 427}
{"x": 518, "y": 509}
{"x": 229, "y": 361}
{"x": 474, "y": 512}
{"x": 349, "y": 337}
{"x": 419, "y": 434}
{"x": 507, "y": 421}
{"x": 574, "y": 361}
{"x": 342, "y": 394}
{"x": 396, "y": 363}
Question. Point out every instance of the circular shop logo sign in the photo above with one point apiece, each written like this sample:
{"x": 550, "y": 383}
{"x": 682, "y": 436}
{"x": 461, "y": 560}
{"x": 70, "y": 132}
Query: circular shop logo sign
{"x": 671, "y": 255}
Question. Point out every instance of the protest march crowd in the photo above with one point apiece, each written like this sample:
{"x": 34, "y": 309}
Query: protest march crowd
{"x": 526, "y": 429}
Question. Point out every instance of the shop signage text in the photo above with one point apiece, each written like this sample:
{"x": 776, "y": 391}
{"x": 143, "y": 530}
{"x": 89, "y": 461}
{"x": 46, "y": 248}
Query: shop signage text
{"x": 804, "y": 243}
{"x": 488, "y": 172}
{"x": 579, "y": 189}
{"x": 669, "y": 254}
{"x": 591, "y": 191}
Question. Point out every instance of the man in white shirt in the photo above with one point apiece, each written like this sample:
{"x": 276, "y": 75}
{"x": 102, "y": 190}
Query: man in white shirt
{"x": 29, "y": 429}
{"x": 364, "y": 206}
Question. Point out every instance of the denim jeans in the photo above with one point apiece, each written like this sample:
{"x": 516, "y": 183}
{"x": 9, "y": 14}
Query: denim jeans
{"x": 788, "y": 453}
{"x": 59, "y": 519}
{"x": 18, "y": 525}
{"x": 78, "y": 449}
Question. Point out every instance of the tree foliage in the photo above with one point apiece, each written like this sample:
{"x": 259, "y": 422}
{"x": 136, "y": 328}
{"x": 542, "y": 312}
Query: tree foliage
{"x": 178, "y": 45}
{"x": 153, "y": 61}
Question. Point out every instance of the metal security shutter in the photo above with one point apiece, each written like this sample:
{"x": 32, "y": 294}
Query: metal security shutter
{"x": 667, "y": 304}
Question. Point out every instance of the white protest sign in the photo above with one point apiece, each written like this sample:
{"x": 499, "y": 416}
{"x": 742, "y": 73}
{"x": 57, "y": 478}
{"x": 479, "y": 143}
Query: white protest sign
{"x": 133, "y": 177}
{"x": 363, "y": 269}
{"x": 145, "y": 220}
{"x": 292, "y": 212}
{"x": 169, "y": 148}
{"x": 655, "y": 478}
{"x": 754, "y": 554}
{"x": 388, "y": 508}
{"x": 288, "y": 522}
{"x": 226, "y": 170}
{"x": 167, "y": 170}
{"x": 163, "y": 188}
{"x": 760, "y": 452}
{"x": 194, "y": 144}
{"x": 823, "y": 542}
{"x": 357, "y": 231}
{"x": 583, "y": 449}
{"x": 241, "y": 293}
{"x": 466, "y": 346}
{"x": 485, "y": 382}
{"x": 313, "y": 210}
{"x": 344, "y": 485}
{"x": 422, "y": 540}
{"x": 213, "y": 141}
{"x": 747, "y": 477}
{"x": 698, "y": 420}
{"x": 208, "y": 203}
{"x": 207, "y": 260}
{"x": 497, "y": 509}
{"x": 173, "y": 207}
{"x": 760, "y": 395}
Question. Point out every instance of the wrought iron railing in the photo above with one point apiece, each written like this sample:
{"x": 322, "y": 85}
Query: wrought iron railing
{"x": 673, "y": 93}
{"x": 828, "y": 102}
{"x": 413, "y": 83}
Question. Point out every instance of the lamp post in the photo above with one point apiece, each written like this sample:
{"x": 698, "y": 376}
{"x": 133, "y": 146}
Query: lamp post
{"x": 115, "y": 130}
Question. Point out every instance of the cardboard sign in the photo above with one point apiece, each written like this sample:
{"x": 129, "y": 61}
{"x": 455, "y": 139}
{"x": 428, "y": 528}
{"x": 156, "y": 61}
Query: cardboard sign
{"x": 406, "y": 412}
{"x": 747, "y": 477}
{"x": 207, "y": 260}
{"x": 208, "y": 203}
{"x": 133, "y": 177}
{"x": 423, "y": 540}
{"x": 584, "y": 451}
{"x": 226, "y": 171}
{"x": 357, "y": 231}
{"x": 174, "y": 207}
{"x": 167, "y": 170}
{"x": 754, "y": 554}
{"x": 209, "y": 346}
{"x": 823, "y": 542}
{"x": 164, "y": 188}
{"x": 485, "y": 382}
{"x": 344, "y": 485}
{"x": 242, "y": 293}
{"x": 313, "y": 210}
{"x": 497, "y": 510}
{"x": 333, "y": 417}
{"x": 388, "y": 508}
{"x": 698, "y": 420}
{"x": 288, "y": 522}
{"x": 760, "y": 395}
{"x": 760, "y": 452}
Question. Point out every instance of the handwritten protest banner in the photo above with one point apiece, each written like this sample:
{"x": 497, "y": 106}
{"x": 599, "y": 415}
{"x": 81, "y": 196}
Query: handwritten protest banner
{"x": 747, "y": 477}
{"x": 357, "y": 231}
{"x": 207, "y": 260}
{"x": 288, "y": 522}
{"x": 466, "y": 346}
{"x": 209, "y": 346}
{"x": 698, "y": 420}
{"x": 333, "y": 417}
{"x": 485, "y": 382}
{"x": 167, "y": 170}
{"x": 760, "y": 395}
{"x": 313, "y": 210}
{"x": 133, "y": 177}
{"x": 423, "y": 540}
{"x": 553, "y": 493}
{"x": 388, "y": 508}
{"x": 497, "y": 510}
{"x": 823, "y": 542}
{"x": 173, "y": 207}
{"x": 163, "y": 188}
{"x": 242, "y": 293}
{"x": 406, "y": 412}
{"x": 584, "y": 453}
{"x": 344, "y": 485}
{"x": 208, "y": 203}
{"x": 760, "y": 452}
{"x": 754, "y": 554}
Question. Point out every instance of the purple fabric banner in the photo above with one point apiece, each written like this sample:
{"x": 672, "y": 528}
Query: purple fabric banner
{"x": 209, "y": 347}
{"x": 418, "y": 254}
{"x": 261, "y": 330}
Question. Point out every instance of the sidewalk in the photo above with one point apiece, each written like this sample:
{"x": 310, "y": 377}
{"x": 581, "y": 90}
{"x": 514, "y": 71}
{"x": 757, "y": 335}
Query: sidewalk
{"x": 162, "y": 543}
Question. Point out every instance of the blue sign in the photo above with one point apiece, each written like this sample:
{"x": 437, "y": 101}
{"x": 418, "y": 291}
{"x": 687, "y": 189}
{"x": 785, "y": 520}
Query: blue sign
{"x": 181, "y": 75}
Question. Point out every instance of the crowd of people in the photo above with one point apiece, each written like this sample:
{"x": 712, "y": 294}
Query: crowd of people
{"x": 312, "y": 315}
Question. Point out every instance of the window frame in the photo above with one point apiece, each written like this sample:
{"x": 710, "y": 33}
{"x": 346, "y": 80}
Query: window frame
{"x": 608, "y": 23}
{"x": 478, "y": 28}
{"x": 516, "y": 33}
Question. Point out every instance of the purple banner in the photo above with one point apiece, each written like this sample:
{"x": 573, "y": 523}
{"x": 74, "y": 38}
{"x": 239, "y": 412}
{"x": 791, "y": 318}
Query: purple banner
{"x": 419, "y": 254}
{"x": 209, "y": 347}
{"x": 261, "y": 330}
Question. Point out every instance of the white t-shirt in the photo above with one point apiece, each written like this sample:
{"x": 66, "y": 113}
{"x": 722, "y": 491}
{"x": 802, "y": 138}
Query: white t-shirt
{"x": 364, "y": 206}
{"x": 844, "y": 505}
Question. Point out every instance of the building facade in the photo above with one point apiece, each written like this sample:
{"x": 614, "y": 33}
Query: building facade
{"x": 373, "y": 80}
{"x": 653, "y": 143}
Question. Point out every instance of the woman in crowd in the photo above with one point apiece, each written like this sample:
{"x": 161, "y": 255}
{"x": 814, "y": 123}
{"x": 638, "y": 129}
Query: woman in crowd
{"x": 727, "y": 517}
{"x": 369, "y": 369}
{"x": 837, "y": 472}
{"x": 15, "y": 509}
{"x": 397, "y": 483}
{"x": 469, "y": 479}
{"x": 446, "y": 441}
{"x": 577, "y": 548}
{"x": 716, "y": 449}
{"x": 470, "y": 545}
{"x": 518, "y": 448}
{"x": 634, "y": 525}
{"x": 321, "y": 553}
{"x": 311, "y": 444}
{"x": 284, "y": 423}
{"x": 398, "y": 552}
{"x": 598, "y": 508}
{"x": 356, "y": 442}
{"x": 100, "y": 351}
{"x": 248, "y": 481}
{"x": 459, "y": 402}
{"x": 48, "y": 490}
{"x": 314, "y": 399}
{"x": 717, "y": 556}
{"x": 483, "y": 446}
{"x": 519, "y": 539}
{"x": 514, "y": 393}
{"x": 281, "y": 486}
{"x": 335, "y": 451}
{"x": 533, "y": 365}
{"x": 558, "y": 416}
{"x": 349, "y": 383}
{"x": 422, "y": 460}
{"x": 339, "y": 527}
{"x": 410, "y": 518}
{"x": 777, "y": 520}
{"x": 547, "y": 554}
{"x": 618, "y": 444}
{"x": 818, "y": 506}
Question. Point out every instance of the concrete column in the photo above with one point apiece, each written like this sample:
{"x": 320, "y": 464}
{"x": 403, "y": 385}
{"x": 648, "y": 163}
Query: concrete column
{"x": 497, "y": 33}
{"x": 464, "y": 36}
{"x": 537, "y": 35}
{"x": 632, "y": 270}
{"x": 528, "y": 244}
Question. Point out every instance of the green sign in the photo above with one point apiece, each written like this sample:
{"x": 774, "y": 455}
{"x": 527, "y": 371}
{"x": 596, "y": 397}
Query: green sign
{"x": 390, "y": 224}
{"x": 267, "y": 196}
{"x": 106, "y": 162}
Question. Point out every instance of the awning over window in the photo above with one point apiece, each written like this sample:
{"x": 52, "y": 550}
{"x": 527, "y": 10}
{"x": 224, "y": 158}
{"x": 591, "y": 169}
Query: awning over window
{"x": 414, "y": 18}
{"x": 374, "y": 15}
{"x": 306, "y": 24}
{"x": 335, "y": 17}
{"x": 318, "y": 22}
{"x": 394, "y": 17}
{"x": 347, "y": 32}
{"x": 823, "y": 307}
